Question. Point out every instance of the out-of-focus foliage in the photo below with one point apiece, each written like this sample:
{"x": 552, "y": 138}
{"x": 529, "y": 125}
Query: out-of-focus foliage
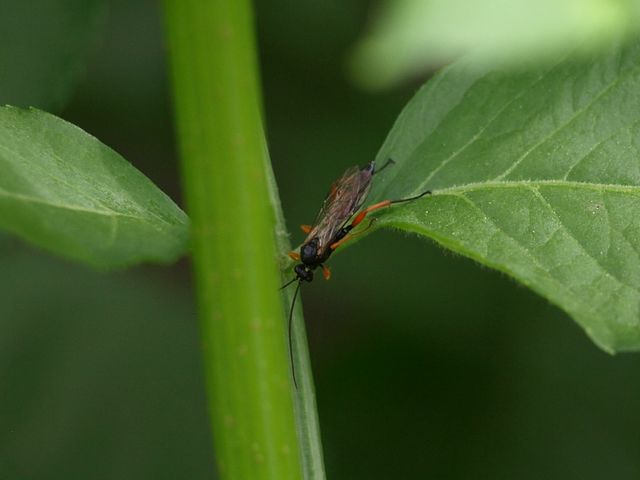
{"x": 410, "y": 36}
{"x": 65, "y": 191}
{"x": 535, "y": 174}
{"x": 100, "y": 374}
{"x": 427, "y": 366}
{"x": 43, "y": 47}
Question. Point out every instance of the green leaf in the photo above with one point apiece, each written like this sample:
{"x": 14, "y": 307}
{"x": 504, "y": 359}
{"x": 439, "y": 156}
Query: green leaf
{"x": 43, "y": 45}
{"x": 411, "y": 36}
{"x": 536, "y": 174}
{"x": 63, "y": 190}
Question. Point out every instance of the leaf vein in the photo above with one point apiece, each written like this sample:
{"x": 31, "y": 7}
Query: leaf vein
{"x": 77, "y": 191}
{"x": 476, "y": 136}
{"x": 527, "y": 251}
{"x": 604, "y": 270}
{"x": 598, "y": 144}
{"x": 576, "y": 115}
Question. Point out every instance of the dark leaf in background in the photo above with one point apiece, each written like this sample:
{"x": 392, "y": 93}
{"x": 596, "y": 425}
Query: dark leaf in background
{"x": 43, "y": 45}
{"x": 101, "y": 374}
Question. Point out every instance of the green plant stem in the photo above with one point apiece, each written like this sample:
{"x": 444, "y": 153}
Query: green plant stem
{"x": 305, "y": 401}
{"x": 225, "y": 174}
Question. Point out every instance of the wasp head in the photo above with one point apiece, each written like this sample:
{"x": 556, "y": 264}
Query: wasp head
{"x": 303, "y": 273}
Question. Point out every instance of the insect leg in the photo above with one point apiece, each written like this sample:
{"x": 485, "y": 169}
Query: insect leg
{"x": 294, "y": 256}
{"x": 383, "y": 204}
{"x": 376, "y": 206}
{"x": 326, "y": 273}
{"x": 361, "y": 216}
{"x": 306, "y": 228}
{"x": 410, "y": 199}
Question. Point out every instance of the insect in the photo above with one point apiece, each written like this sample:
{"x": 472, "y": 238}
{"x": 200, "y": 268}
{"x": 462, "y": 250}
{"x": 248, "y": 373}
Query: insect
{"x": 332, "y": 227}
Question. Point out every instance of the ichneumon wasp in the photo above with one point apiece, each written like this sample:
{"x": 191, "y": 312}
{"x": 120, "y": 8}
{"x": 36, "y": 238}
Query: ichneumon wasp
{"x": 333, "y": 225}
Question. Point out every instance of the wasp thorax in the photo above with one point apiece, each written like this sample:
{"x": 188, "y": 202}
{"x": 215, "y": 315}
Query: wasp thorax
{"x": 303, "y": 273}
{"x": 309, "y": 252}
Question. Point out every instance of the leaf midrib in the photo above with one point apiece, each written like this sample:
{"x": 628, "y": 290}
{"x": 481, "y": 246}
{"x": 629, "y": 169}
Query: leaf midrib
{"x": 532, "y": 185}
{"x": 490, "y": 121}
{"x": 576, "y": 114}
{"x": 107, "y": 212}
{"x": 582, "y": 110}
{"x": 75, "y": 208}
{"x": 527, "y": 184}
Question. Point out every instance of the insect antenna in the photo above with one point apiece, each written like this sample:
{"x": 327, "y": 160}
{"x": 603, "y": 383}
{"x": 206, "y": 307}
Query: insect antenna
{"x": 288, "y": 283}
{"x": 293, "y": 304}
{"x": 387, "y": 163}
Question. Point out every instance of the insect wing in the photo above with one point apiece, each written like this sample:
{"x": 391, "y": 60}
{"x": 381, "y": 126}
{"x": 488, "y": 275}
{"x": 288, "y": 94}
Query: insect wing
{"x": 346, "y": 195}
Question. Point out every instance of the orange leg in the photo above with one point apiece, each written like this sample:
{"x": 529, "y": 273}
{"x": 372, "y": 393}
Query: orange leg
{"x": 383, "y": 204}
{"x": 326, "y": 273}
{"x": 362, "y": 215}
{"x": 306, "y": 228}
{"x": 294, "y": 256}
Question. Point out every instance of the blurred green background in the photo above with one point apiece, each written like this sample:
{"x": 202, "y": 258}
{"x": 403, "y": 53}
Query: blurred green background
{"x": 426, "y": 365}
